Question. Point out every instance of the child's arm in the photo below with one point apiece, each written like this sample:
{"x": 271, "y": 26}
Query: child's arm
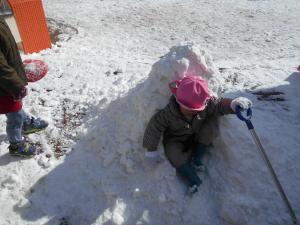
{"x": 219, "y": 106}
{"x": 9, "y": 79}
{"x": 156, "y": 126}
{"x": 223, "y": 106}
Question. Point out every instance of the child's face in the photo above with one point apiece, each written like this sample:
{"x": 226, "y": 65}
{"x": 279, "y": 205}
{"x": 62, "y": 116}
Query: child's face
{"x": 187, "y": 112}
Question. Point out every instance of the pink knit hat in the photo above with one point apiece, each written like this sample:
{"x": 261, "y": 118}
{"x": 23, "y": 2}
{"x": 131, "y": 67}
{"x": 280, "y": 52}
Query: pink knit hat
{"x": 191, "y": 92}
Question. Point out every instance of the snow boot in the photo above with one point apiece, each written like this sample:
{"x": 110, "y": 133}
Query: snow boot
{"x": 197, "y": 155}
{"x": 34, "y": 125}
{"x": 187, "y": 171}
{"x": 22, "y": 149}
{"x": 192, "y": 189}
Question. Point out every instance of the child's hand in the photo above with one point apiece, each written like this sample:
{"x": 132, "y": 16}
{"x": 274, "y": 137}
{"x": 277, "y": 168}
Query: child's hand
{"x": 242, "y": 102}
{"x": 152, "y": 159}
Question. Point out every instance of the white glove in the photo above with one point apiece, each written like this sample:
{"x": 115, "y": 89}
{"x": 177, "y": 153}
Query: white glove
{"x": 243, "y": 102}
{"x": 152, "y": 159}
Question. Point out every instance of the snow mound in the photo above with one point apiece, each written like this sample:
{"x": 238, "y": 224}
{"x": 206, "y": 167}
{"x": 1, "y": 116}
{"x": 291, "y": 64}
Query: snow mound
{"x": 182, "y": 60}
{"x": 104, "y": 180}
{"x": 115, "y": 140}
{"x": 122, "y": 124}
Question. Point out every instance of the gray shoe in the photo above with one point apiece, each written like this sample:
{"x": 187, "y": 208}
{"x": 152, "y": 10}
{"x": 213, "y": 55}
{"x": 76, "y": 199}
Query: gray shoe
{"x": 34, "y": 125}
{"x": 22, "y": 149}
{"x": 193, "y": 189}
{"x": 188, "y": 172}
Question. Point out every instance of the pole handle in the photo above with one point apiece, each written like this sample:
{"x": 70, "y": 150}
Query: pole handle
{"x": 246, "y": 118}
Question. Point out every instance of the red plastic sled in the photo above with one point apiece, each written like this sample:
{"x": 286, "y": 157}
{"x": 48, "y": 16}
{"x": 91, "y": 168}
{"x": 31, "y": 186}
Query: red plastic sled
{"x": 35, "y": 69}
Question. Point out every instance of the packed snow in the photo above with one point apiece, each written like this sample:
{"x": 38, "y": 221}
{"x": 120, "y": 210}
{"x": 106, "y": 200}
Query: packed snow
{"x": 109, "y": 73}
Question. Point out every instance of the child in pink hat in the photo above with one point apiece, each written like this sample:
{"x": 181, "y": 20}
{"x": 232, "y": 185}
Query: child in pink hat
{"x": 188, "y": 125}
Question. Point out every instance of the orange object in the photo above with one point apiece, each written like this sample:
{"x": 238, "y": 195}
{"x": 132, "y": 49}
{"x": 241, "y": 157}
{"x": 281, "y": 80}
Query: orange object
{"x": 32, "y": 25}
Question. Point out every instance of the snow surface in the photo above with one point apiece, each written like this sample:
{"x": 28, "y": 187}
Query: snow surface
{"x": 106, "y": 81}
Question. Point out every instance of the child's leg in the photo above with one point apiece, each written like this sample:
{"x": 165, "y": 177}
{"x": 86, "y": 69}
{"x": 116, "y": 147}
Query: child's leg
{"x": 14, "y": 126}
{"x": 197, "y": 155}
{"x": 208, "y": 131}
{"x": 176, "y": 154}
{"x": 189, "y": 173}
{"x": 179, "y": 158}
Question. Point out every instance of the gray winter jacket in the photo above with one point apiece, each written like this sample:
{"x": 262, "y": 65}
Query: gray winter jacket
{"x": 174, "y": 126}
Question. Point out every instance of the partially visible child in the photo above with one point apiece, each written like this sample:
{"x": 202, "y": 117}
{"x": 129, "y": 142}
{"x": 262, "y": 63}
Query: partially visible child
{"x": 12, "y": 89}
{"x": 188, "y": 125}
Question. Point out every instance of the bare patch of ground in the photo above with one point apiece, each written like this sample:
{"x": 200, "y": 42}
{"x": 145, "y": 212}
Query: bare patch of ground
{"x": 60, "y": 31}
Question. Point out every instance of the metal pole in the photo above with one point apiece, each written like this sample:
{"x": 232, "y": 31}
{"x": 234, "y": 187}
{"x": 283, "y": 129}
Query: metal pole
{"x": 274, "y": 176}
{"x": 250, "y": 126}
